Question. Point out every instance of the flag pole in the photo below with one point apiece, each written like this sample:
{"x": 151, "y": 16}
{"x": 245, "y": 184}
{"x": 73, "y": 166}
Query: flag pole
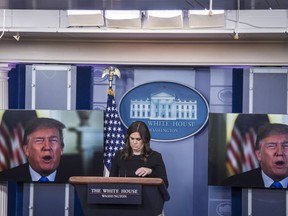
{"x": 114, "y": 131}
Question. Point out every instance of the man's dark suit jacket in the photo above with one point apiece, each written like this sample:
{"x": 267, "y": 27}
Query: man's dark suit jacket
{"x": 252, "y": 178}
{"x": 21, "y": 174}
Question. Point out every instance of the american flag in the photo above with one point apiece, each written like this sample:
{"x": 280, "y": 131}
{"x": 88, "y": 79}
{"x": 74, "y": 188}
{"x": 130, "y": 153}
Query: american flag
{"x": 11, "y": 138}
{"x": 11, "y": 152}
{"x": 114, "y": 132}
{"x": 240, "y": 148}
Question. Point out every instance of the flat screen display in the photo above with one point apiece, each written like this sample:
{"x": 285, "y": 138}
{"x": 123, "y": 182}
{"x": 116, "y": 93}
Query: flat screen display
{"x": 236, "y": 160}
{"x": 43, "y": 152}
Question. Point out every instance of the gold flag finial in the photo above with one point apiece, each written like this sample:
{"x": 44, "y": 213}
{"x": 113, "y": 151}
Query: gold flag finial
{"x": 111, "y": 71}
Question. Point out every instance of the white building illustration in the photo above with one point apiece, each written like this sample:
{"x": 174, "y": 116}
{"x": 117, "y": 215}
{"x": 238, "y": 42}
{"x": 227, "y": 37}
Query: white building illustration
{"x": 163, "y": 106}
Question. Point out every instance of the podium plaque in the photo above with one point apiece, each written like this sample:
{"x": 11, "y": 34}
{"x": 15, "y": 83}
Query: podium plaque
{"x": 146, "y": 195}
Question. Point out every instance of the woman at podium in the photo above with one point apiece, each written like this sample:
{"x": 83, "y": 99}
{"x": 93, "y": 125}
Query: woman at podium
{"x": 137, "y": 159}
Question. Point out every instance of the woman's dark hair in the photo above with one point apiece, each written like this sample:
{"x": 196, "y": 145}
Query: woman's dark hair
{"x": 43, "y": 123}
{"x": 268, "y": 130}
{"x": 144, "y": 132}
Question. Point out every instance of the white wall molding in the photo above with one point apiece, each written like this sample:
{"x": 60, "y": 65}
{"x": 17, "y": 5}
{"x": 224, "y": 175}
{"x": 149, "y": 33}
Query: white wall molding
{"x": 145, "y": 53}
{"x": 4, "y": 69}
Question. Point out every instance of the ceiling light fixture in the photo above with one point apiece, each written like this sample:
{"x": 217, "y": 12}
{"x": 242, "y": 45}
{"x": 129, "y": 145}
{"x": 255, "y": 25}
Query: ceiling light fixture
{"x": 206, "y": 19}
{"x": 85, "y": 18}
{"x": 123, "y": 18}
{"x": 164, "y": 19}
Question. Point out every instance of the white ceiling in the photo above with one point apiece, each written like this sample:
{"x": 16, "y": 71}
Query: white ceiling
{"x": 144, "y": 4}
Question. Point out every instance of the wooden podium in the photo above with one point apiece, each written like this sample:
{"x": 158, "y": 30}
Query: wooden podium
{"x": 121, "y": 196}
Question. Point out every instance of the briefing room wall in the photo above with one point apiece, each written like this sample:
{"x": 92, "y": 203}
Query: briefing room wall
{"x": 204, "y": 54}
{"x": 194, "y": 188}
{"x": 206, "y": 80}
{"x": 182, "y": 188}
{"x": 186, "y": 160}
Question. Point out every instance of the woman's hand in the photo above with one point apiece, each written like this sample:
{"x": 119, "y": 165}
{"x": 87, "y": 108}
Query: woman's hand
{"x": 143, "y": 171}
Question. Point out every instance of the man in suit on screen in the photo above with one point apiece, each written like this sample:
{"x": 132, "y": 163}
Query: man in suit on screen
{"x": 272, "y": 153}
{"x": 43, "y": 146}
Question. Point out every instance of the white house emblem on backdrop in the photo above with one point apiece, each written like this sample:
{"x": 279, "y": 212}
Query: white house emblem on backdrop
{"x": 163, "y": 106}
{"x": 172, "y": 111}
